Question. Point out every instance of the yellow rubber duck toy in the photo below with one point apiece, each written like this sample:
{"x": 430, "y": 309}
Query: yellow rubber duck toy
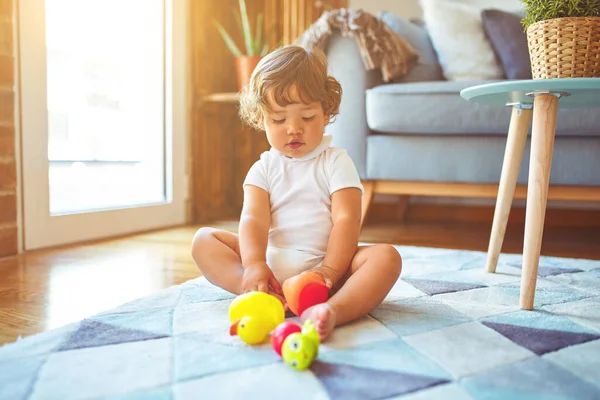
{"x": 254, "y": 315}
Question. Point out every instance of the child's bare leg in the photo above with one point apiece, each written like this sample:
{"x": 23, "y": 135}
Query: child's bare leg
{"x": 373, "y": 272}
{"x": 217, "y": 255}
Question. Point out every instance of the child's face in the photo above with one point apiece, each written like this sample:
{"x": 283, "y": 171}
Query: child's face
{"x": 296, "y": 129}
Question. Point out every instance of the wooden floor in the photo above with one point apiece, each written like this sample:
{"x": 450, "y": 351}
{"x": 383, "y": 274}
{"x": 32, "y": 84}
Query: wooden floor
{"x": 47, "y": 289}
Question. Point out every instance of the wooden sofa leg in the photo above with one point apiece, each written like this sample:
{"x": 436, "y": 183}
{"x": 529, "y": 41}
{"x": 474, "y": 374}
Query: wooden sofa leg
{"x": 402, "y": 208}
{"x": 369, "y": 191}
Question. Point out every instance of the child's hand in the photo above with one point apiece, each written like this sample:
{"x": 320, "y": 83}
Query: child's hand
{"x": 259, "y": 277}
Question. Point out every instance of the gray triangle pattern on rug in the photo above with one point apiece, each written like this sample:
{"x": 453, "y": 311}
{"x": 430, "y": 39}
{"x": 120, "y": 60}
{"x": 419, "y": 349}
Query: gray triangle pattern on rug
{"x": 94, "y": 334}
{"x": 540, "y": 341}
{"x": 432, "y": 287}
{"x": 156, "y": 320}
{"x": 349, "y": 382}
{"x": 544, "y": 271}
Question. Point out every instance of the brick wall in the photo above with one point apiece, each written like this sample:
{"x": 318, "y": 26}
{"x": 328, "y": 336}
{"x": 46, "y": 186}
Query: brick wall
{"x": 8, "y": 169}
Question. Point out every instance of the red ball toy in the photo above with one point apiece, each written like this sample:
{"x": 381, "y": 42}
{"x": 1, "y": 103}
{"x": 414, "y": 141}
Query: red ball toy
{"x": 282, "y": 331}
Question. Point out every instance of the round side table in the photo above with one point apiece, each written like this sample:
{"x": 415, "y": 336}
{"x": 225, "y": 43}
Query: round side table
{"x": 538, "y": 100}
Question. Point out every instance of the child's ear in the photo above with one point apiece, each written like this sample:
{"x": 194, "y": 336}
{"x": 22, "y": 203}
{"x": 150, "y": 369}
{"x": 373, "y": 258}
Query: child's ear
{"x": 327, "y": 119}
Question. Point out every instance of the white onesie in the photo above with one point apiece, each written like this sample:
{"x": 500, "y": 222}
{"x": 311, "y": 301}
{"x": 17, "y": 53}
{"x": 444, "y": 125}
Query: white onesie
{"x": 300, "y": 192}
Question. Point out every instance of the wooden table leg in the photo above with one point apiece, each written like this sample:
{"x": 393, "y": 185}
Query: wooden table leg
{"x": 545, "y": 108}
{"x": 520, "y": 121}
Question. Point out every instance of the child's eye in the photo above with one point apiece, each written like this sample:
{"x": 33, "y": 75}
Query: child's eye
{"x": 278, "y": 121}
{"x": 308, "y": 118}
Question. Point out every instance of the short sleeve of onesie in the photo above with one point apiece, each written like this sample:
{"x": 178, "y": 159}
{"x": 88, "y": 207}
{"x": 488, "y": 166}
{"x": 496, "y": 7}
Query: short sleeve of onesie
{"x": 257, "y": 175}
{"x": 343, "y": 173}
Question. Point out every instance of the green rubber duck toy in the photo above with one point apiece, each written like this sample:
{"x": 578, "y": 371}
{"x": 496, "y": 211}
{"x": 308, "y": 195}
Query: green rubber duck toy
{"x": 300, "y": 349}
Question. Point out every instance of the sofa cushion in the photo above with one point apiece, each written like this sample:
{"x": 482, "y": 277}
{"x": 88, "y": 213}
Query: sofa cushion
{"x": 457, "y": 34}
{"x": 444, "y": 158}
{"x": 509, "y": 40}
{"x": 427, "y": 67}
{"x": 438, "y": 108}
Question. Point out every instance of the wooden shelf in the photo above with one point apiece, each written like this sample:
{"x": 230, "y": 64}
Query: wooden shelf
{"x": 228, "y": 97}
{"x": 222, "y": 151}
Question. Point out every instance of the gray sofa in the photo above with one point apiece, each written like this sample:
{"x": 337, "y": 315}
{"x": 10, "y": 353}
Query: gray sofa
{"x": 425, "y": 132}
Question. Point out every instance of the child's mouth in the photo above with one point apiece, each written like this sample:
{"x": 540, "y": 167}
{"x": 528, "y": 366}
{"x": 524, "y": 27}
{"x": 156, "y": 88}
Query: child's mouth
{"x": 295, "y": 145}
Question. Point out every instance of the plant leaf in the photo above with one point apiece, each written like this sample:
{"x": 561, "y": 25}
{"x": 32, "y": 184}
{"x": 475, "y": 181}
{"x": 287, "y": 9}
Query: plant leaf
{"x": 258, "y": 36}
{"x": 246, "y": 27}
{"x": 238, "y": 20}
{"x": 264, "y": 50}
{"x": 228, "y": 41}
{"x": 541, "y": 10}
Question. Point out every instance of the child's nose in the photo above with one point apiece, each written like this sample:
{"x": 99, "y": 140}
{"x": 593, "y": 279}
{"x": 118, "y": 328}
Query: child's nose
{"x": 294, "y": 127}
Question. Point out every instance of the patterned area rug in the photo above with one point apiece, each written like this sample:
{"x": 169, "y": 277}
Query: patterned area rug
{"x": 447, "y": 330}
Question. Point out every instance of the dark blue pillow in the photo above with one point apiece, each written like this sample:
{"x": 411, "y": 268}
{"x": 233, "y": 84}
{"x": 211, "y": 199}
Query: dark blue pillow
{"x": 509, "y": 41}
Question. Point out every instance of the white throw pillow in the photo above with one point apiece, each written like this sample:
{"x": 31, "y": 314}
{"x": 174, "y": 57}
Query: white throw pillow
{"x": 457, "y": 34}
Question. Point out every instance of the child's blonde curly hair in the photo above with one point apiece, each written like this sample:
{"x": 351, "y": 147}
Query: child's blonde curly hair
{"x": 279, "y": 71}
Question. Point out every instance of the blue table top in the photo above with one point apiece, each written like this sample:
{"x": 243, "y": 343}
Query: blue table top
{"x": 583, "y": 92}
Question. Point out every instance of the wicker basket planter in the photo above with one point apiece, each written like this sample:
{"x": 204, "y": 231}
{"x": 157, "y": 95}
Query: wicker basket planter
{"x": 565, "y": 48}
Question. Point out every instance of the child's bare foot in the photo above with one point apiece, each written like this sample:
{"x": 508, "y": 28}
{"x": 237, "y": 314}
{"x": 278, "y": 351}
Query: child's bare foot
{"x": 323, "y": 317}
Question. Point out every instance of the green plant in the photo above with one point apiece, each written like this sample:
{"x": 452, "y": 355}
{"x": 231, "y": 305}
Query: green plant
{"x": 254, "y": 46}
{"x": 540, "y": 10}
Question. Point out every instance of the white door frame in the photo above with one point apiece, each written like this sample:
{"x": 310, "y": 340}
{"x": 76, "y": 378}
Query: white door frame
{"x": 39, "y": 228}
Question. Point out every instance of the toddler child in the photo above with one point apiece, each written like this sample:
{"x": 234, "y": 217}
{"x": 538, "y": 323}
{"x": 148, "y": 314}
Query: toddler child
{"x": 302, "y": 200}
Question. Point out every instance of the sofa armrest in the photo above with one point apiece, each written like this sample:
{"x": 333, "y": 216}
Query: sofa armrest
{"x": 350, "y": 129}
